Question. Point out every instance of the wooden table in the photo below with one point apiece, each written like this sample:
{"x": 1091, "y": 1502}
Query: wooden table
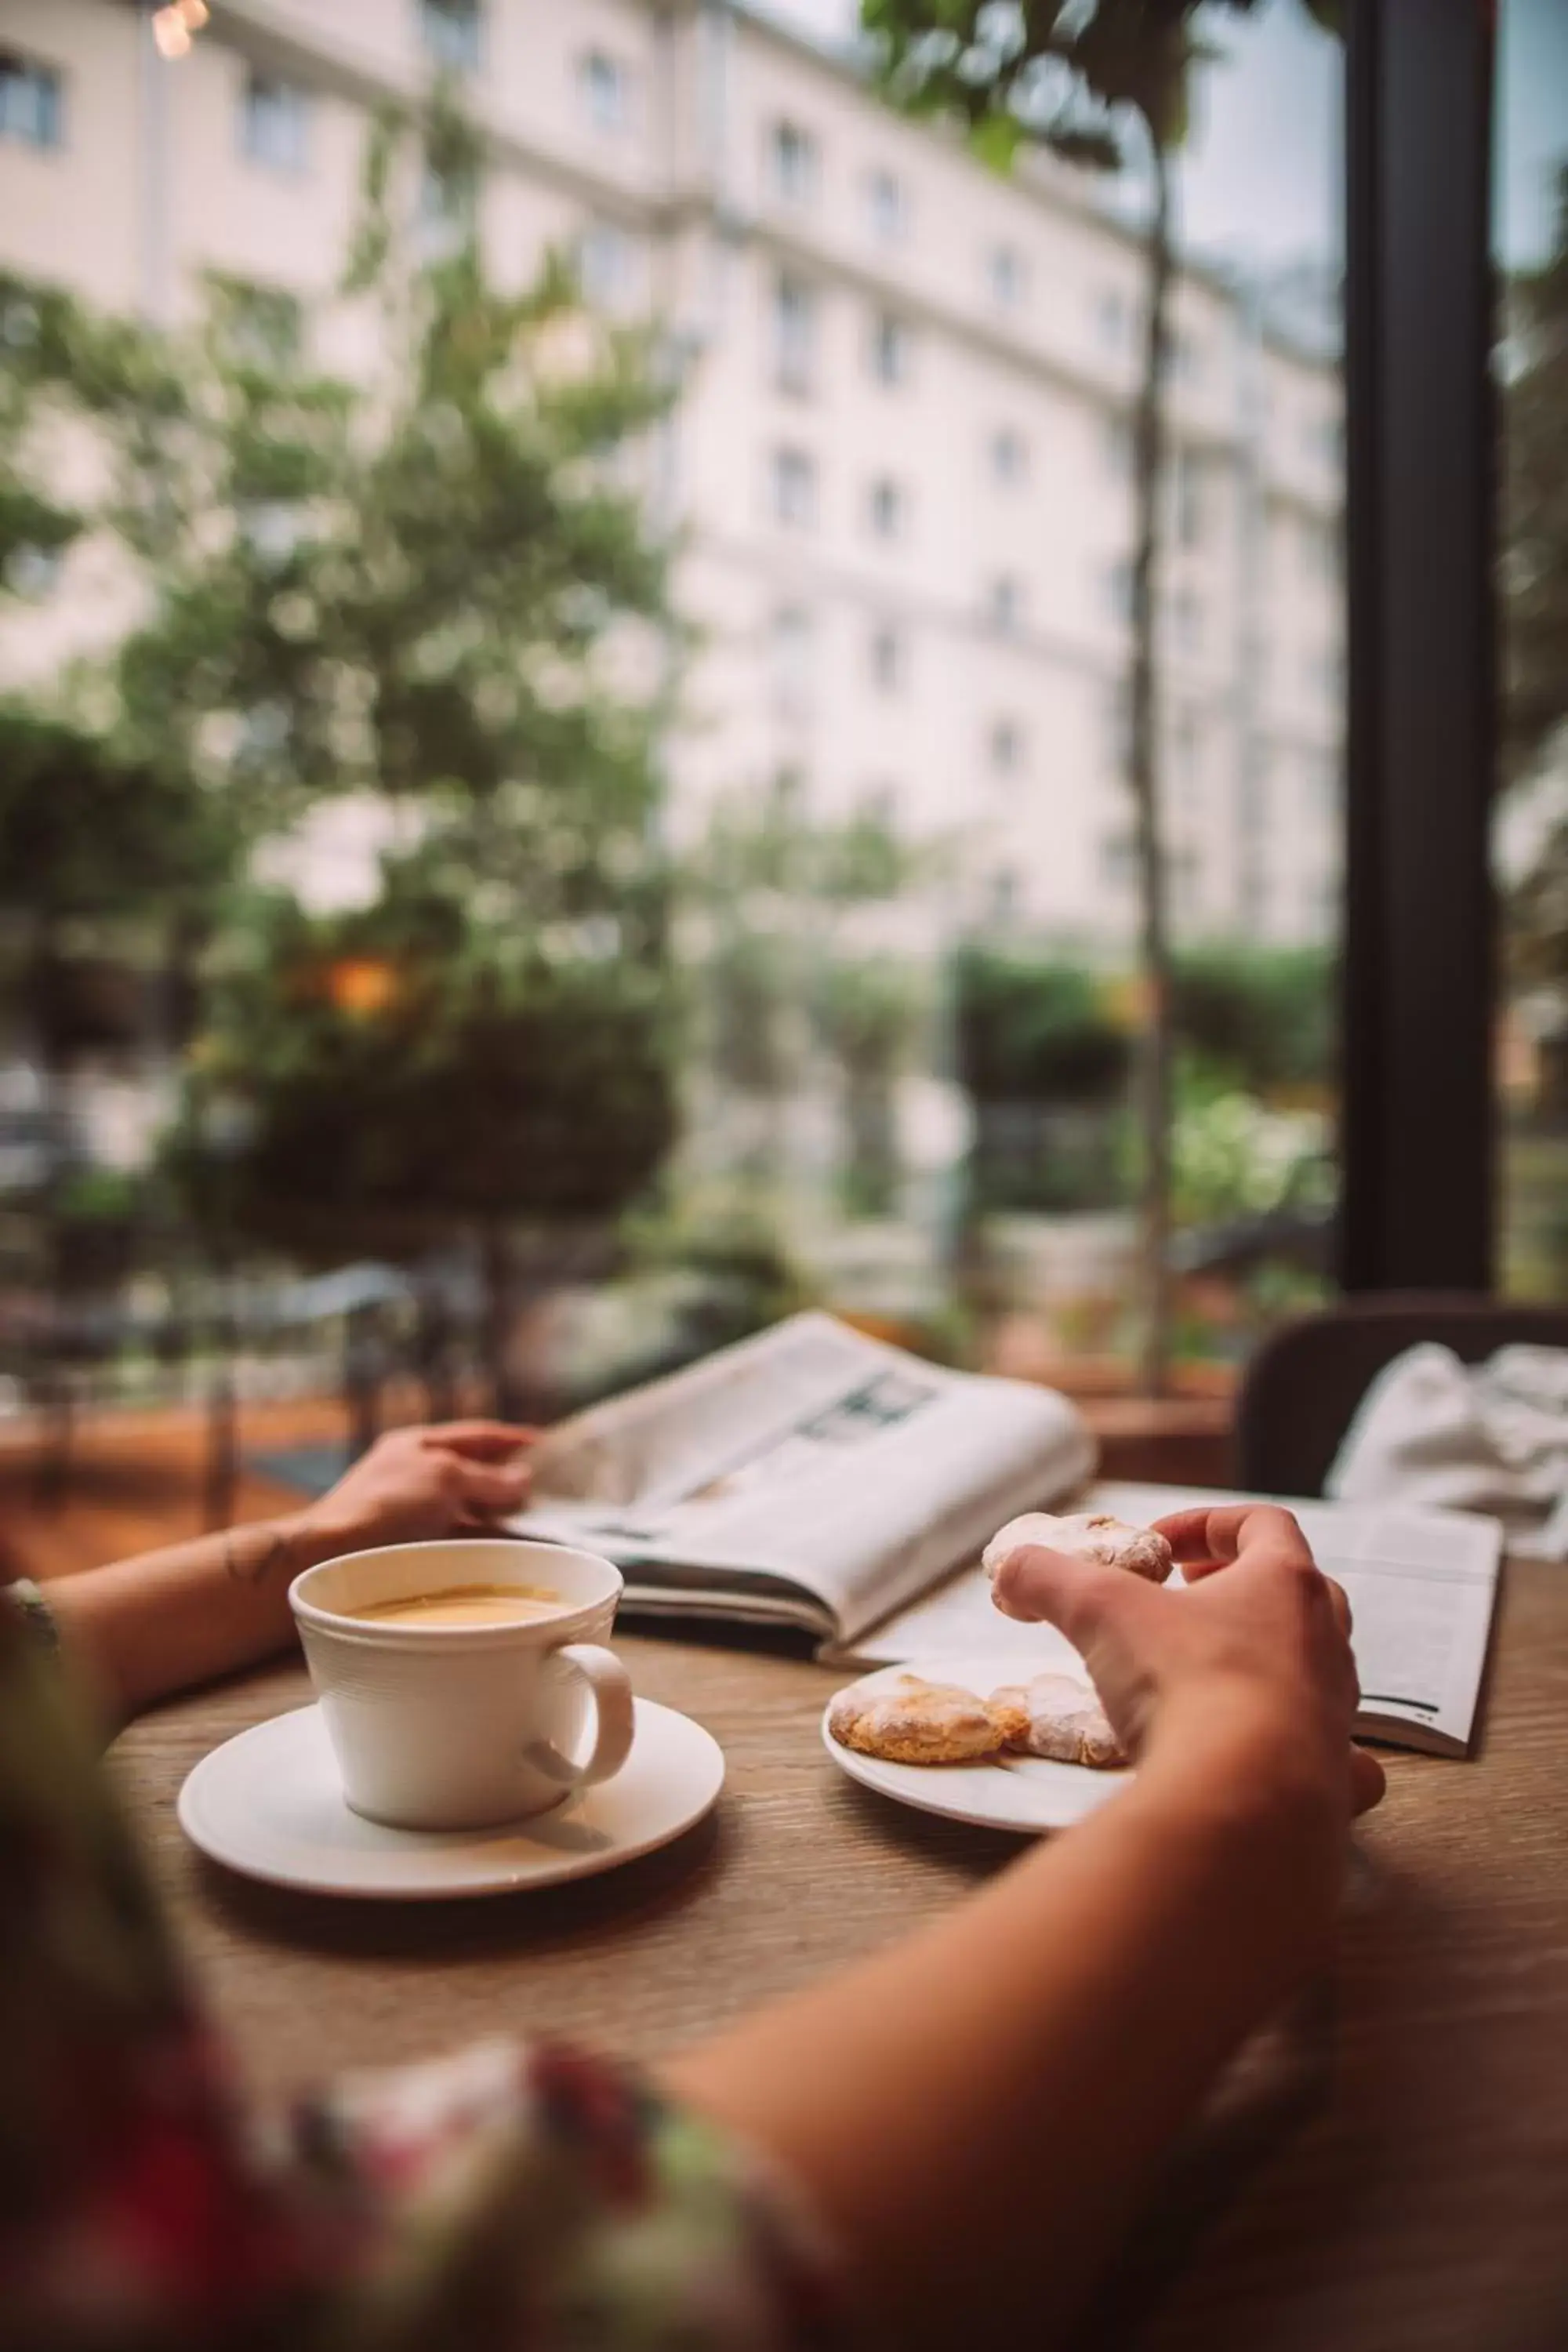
{"x": 1387, "y": 2172}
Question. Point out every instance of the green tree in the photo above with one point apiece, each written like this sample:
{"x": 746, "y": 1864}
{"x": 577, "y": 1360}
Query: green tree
{"x": 1101, "y": 83}
{"x": 1535, "y": 505}
{"x": 437, "y": 586}
{"x": 775, "y": 908}
{"x": 109, "y": 855}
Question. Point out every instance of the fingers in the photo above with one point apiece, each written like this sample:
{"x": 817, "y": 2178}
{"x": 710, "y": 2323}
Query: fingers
{"x": 478, "y": 1440}
{"x": 1368, "y": 1781}
{"x": 1339, "y": 1602}
{"x": 491, "y": 1491}
{"x": 1204, "y": 1539}
{"x": 1076, "y": 1596}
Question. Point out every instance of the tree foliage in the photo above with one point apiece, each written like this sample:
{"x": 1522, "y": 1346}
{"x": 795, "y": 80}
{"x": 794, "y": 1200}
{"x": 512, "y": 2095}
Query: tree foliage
{"x": 1535, "y": 520}
{"x": 434, "y": 584}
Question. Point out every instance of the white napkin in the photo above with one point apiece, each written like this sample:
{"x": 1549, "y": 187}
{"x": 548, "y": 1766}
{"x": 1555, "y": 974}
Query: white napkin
{"x": 1469, "y": 1437}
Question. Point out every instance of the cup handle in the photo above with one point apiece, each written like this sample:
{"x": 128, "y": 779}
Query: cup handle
{"x": 610, "y": 1686}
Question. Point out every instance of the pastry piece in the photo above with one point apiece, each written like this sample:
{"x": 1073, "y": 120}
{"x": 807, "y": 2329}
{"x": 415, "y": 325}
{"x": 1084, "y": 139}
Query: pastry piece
{"x": 1060, "y": 1718}
{"x": 1084, "y": 1535}
{"x": 910, "y": 1721}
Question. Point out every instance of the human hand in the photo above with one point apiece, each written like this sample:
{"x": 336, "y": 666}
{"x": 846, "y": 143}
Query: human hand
{"x": 454, "y": 1477}
{"x": 1257, "y": 1645}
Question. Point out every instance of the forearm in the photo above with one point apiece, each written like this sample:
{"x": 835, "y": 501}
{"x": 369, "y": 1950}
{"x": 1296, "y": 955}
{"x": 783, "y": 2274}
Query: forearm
{"x": 141, "y": 1628}
{"x": 983, "y": 2101}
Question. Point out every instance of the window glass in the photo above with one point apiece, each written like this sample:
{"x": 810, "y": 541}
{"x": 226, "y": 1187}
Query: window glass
{"x": 793, "y": 159}
{"x": 274, "y": 122}
{"x": 30, "y": 100}
{"x": 606, "y": 266}
{"x": 890, "y": 348}
{"x": 887, "y": 657}
{"x": 450, "y": 30}
{"x": 794, "y": 658}
{"x": 1006, "y": 275}
{"x": 1004, "y": 604}
{"x": 602, "y": 758}
{"x": 886, "y": 206}
{"x": 1530, "y": 830}
{"x": 794, "y": 333}
{"x": 793, "y": 488}
{"x": 605, "y": 87}
{"x": 1009, "y": 456}
{"x": 888, "y": 508}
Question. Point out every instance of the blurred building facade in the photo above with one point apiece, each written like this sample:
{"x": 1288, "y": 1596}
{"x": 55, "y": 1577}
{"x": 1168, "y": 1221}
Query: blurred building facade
{"x": 901, "y": 458}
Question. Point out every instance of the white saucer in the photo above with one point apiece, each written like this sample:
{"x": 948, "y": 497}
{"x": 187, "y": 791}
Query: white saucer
{"x": 270, "y": 1803}
{"x": 1020, "y": 1792}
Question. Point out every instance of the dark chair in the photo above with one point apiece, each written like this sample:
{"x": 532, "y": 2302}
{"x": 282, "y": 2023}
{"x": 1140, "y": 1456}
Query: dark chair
{"x": 1306, "y": 1380}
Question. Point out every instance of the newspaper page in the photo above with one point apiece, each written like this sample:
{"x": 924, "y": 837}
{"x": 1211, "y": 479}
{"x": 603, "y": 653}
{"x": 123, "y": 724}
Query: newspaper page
{"x": 808, "y": 1475}
{"x": 1422, "y": 1585}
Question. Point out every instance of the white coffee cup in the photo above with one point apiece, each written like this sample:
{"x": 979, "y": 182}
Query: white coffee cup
{"x": 448, "y": 1727}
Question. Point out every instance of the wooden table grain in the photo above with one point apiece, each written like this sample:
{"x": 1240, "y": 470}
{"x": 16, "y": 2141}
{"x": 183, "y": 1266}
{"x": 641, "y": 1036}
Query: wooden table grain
{"x": 1385, "y": 2171}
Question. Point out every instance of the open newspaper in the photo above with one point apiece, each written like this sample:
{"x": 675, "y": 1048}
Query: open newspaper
{"x": 1421, "y": 1582}
{"x": 807, "y": 1476}
{"x": 814, "y": 1477}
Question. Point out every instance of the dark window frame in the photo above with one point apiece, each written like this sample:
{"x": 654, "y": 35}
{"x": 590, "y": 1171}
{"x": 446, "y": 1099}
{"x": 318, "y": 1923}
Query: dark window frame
{"x": 1418, "y": 1204}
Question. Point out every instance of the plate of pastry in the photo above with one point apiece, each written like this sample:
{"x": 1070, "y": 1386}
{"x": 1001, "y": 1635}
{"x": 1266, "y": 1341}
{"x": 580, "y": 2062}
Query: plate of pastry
{"x": 962, "y": 1738}
{"x": 1004, "y": 1741}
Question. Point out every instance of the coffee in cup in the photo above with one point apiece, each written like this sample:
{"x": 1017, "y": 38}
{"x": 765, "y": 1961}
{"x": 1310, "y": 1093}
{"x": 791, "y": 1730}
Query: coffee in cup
{"x": 466, "y": 1684}
{"x": 464, "y": 1604}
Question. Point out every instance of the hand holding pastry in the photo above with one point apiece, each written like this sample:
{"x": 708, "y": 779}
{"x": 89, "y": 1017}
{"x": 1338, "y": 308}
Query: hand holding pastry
{"x": 1259, "y": 1645}
{"x": 1084, "y": 1535}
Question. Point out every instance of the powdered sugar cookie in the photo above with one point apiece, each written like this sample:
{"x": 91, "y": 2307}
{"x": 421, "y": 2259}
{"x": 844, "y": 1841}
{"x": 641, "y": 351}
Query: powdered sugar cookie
{"x": 1084, "y": 1535}
{"x": 911, "y": 1721}
{"x": 1060, "y": 1718}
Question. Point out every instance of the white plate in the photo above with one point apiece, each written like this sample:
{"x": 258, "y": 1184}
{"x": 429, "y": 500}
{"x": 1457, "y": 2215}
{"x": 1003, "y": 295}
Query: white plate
{"x": 270, "y": 1803}
{"x": 1020, "y": 1792}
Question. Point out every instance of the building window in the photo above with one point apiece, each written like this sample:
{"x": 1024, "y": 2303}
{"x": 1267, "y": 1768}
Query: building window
{"x": 1006, "y": 276}
{"x": 445, "y": 211}
{"x": 1184, "y": 756}
{"x": 450, "y": 32}
{"x": 794, "y": 333}
{"x": 604, "y": 265}
{"x": 793, "y": 652}
{"x": 1118, "y": 590}
{"x": 30, "y": 107}
{"x": 1190, "y": 470}
{"x": 1186, "y": 357}
{"x": 1320, "y": 551}
{"x": 794, "y": 163}
{"x": 1118, "y": 860}
{"x": 1118, "y": 449}
{"x": 1187, "y": 614}
{"x": 888, "y": 508}
{"x": 605, "y": 87}
{"x": 1112, "y": 318}
{"x": 1323, "y": 440}
{"x": 886, "y": 206}
{"x": 1004, "y": 894}
{"x": 793, "y": 488}
{"x": 1005, "y": 604}
{"x": 274, "y": 122}
{"x": 1009, "y": 456}
{"x": 891, "y": 348}
{"x": 1005, "y": 748}
{"x": 887, "y": 658}
{"x": 1118, "y": 730}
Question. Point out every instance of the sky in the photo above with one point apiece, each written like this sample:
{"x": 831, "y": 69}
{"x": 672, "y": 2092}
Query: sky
{"x": 1261, "y": 177}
